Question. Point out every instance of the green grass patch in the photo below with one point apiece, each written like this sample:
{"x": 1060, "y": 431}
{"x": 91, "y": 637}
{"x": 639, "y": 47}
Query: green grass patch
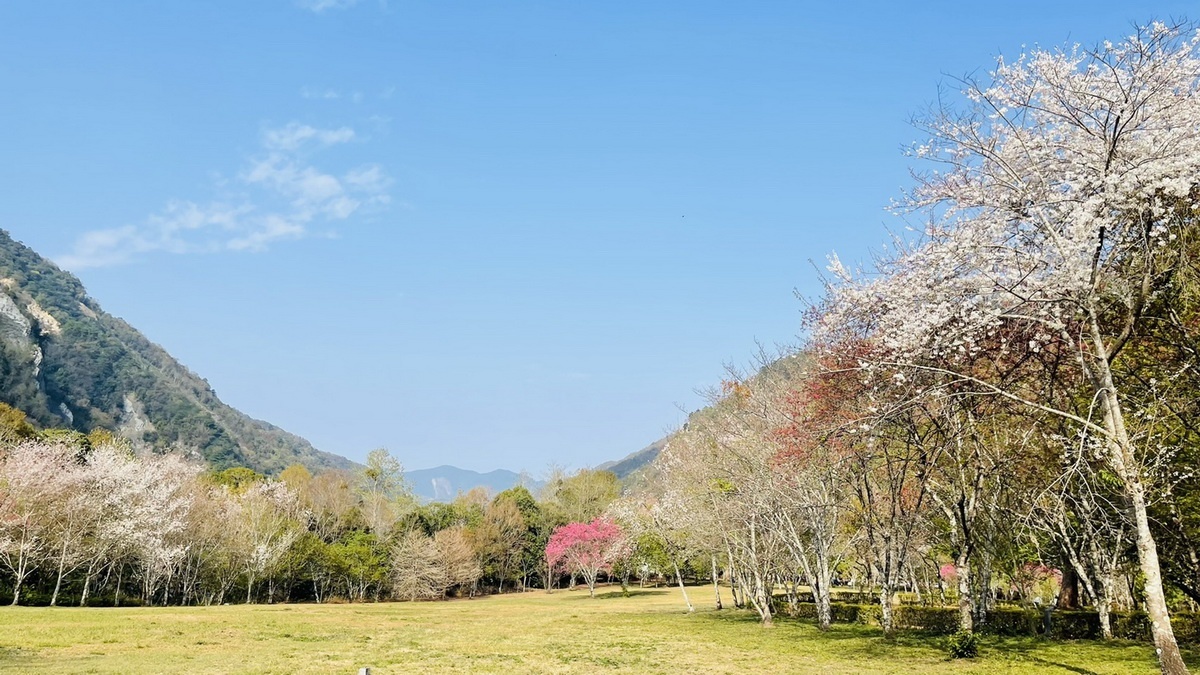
{"x": 563, "y": 632}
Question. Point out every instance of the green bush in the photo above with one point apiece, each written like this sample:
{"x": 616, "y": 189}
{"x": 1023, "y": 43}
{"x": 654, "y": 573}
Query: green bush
{"x": 1012, "y": 622}
{"x": 936, "y": 620}
{"x": 963, "y": 645}
{"x": 802, "y": 610}
{"x": 866, "y": 615}
{"x": 1186, "y": 627}
{"x": 1134, "y": 625}
{"x": 1075, "y": 625}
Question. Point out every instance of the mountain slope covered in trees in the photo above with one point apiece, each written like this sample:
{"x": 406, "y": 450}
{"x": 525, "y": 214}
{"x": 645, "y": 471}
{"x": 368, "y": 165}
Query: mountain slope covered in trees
{"x": 67, "y": 363}
{"x": 635, "y": 469}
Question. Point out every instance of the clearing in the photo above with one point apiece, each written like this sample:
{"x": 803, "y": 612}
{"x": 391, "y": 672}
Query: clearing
{"x": 535, "y": 632}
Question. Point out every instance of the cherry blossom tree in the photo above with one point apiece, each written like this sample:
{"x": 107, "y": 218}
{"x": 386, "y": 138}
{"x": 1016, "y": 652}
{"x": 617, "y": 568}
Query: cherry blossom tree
{"x": 663, "y": 523}
{"x": 719, "y": 477}
{"x": 31, "y": 481}
{"x": 585, "y": 548}
{"x": 157, "y": 518}
{"x": 76, "y": 513}
{"x": 1054, "y": 224}
{"x": 266, "y": 526}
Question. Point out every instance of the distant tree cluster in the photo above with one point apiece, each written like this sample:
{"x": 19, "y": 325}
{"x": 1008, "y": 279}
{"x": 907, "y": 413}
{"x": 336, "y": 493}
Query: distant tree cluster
{"x": 85, "y": 520}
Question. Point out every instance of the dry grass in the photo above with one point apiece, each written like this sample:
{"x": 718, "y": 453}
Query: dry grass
{"x": 565, "y": 632}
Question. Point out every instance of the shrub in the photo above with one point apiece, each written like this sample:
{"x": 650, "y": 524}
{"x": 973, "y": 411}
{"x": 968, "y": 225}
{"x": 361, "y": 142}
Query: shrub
{"x": 936, "y": 620}
{"x": 1186, "y": 627}
{"x": 963, "y": 645}
{"x": 1071, "y": 625}
{"x": 1134, "y": 625}
{"x": 867, "y": 615}
{"x": 1012, "y": 622}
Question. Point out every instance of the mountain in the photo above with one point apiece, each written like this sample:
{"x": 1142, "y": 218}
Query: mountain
{"x": 444, "y": 483}
{"x": 636, "y": 469}
{"x": 65, "y": 362}
{"x": 636, "y": 463}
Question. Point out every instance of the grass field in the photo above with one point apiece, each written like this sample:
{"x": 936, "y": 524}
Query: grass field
{"x": 564, "y": 632}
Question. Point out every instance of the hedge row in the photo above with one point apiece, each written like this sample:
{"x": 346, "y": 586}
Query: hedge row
{"x": 1064, "y": 625}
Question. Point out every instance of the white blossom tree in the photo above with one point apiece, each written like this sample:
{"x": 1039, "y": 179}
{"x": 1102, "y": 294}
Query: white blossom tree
{"x": 267, "y": 523}
{"x": 1053, "y": 224}
{"x": 31, "y": 481}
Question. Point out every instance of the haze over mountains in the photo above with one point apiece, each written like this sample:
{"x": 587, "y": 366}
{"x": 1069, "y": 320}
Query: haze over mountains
{"x": 444, "y": 483}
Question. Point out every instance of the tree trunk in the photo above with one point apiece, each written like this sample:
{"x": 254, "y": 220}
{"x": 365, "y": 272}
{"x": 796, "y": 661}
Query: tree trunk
{"x": 734, "y": 585}
{"x": 117, "y": 592}
{"x": 87, "y": 582}
{"x": 716, "y": 578}
{"x": 966, "y": 609}
{"x": 62, "y": 564}
{"x": 1169, "y": 658}
{"x": 1103, "y": 608}
{"x": 761, "y": 599}
{"x": 1124, "y": 462}
{"x": 1068, "y": 595}
{"x": 823, "y": 589}
{"x": 683, "y": 590}
{"x": 17, "y": 591}
{"x": 824, "y": 599}
{"x": 885, "y": 609}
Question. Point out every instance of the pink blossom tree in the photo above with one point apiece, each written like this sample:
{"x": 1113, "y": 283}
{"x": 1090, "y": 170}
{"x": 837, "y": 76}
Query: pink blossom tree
{"x": 585, "y": 549}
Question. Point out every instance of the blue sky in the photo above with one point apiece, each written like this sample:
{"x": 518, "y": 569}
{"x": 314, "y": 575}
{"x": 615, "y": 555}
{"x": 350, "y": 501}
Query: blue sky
{"x": 478, "y": 233}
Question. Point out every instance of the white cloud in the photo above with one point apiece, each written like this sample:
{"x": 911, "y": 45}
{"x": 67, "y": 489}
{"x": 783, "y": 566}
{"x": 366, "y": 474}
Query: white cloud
{"x": 271, "y": 228}
{"x": 318, "y": 93}
{"x": 283, "y": 193}
{"x": 328, "y": 94}
{"x": 369, "y": 178}
{"x": 320, "y": 6}
{"x": 103, "y": 248}
{"x": 293, "y": 136}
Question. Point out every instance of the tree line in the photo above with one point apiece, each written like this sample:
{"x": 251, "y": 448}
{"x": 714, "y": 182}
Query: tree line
{"x": 85, "y": 520}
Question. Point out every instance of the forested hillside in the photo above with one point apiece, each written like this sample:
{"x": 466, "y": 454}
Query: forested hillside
{"x": 67, "y": 363}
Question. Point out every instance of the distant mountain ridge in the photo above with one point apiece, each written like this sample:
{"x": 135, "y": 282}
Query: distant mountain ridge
{"x": 626, "y": 467}
{"x": 444, "y": 483}
{"x": 65, "y": 362}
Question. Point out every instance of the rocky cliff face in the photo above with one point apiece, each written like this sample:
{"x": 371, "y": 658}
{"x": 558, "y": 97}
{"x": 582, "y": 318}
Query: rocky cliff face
{"x": 67, "y": 363}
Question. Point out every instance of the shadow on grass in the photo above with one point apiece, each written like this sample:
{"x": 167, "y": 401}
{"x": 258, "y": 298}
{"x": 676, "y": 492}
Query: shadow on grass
{"x": 11, "y": 657}
{"x": 612, "y": 595}
{"x": 855, "y": 641}
{"x": 1067, "y": 667}
{"x": 1113, "y": 650}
